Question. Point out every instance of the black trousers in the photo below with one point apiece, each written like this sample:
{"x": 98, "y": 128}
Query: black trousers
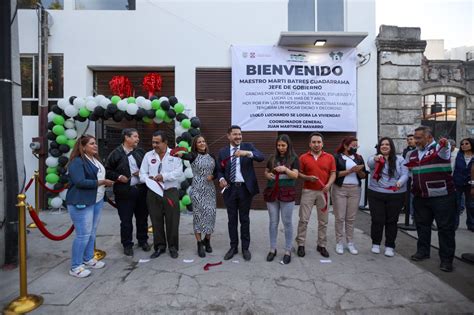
{"x": 134, "y": 204}
{"x": 238, "y": 201}
{"x": 384, "y": 210}
{"x": 165, "y": 215}
{"x": 443, "y": 210}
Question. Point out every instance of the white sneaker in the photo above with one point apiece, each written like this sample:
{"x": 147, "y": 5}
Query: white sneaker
{"x": 352, "y": 249}
{"x": 94, "y": 264}
{"x": 340, "y": 248}
{"x": 389, "y": 252}
{"x": 375, "y": 249}
{"x": 79, "y": 272}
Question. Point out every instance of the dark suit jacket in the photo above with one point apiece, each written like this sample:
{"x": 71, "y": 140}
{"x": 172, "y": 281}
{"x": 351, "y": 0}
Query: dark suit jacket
{"x": 82, "y": 182}
{"x": 246, "y": 166}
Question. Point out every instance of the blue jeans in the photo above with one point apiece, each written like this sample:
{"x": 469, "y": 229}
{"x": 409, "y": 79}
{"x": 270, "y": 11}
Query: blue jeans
{"x": 286, "y": 210}
{"x": 85, "y": 223}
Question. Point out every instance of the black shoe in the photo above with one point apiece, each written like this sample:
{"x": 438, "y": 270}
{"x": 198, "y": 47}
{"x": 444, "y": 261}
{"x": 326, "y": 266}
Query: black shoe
{"x": 207, "y": 244}
{"x": 173, "y": 253}
{"x": 419, "y": 257}
{"x": 200, "y": 247}
{"x": 246, "y": 254}
{"x": 128, "y": 251}
{"x": 271, "y": 255}
{"x": 446, "y": 266}
{"x": 301, "y": 251}
{"x": 323, "y": 251}
{"x": 157, "y": 253}
{"x": 145, "y": 246}
{"x": 230, "y": 253}
{"x": 286, "y": 259}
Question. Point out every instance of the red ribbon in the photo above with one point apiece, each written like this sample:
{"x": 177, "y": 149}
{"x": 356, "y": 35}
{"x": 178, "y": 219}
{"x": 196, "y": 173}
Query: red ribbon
{"x": 208, "y": 265}
{"x": 120, "y": 85}
{"x": 392, "y": 188}
{"x": 43, "y": 229}
{"x": 152, "y": 83}
{"x": 378, "y": 169}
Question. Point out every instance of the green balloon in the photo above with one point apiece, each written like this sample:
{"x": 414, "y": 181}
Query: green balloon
{"x": 52, "y": 170}
{"x": 186, "y": 200}
{"x": 71, "y": 143}
{"x": 147, "y": 120}
{"x": 186, "y": 123}
{"x": 179, "y": 108}
{"x": 84, "y": 112}
{"x": 182, "y": 206}
{"x": 183, "y": 144}
{"x": 61, "y": 139}
{"x": 58, "y": 120}
{"x": 167, "y": 119}
{"x": 131, "y": 100}
{"x": 115, "y": 99}
{"x": 155, "y": 104}
{"x": 53, "y": 178}
{"x": 58, "y": 130}
{"x": 49, "y": 201}
{"x": 190, "y": 149}
{"x": 160, "y": 114}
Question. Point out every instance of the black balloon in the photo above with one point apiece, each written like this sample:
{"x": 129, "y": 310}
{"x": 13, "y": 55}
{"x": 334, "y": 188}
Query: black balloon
{"x": 154, "y": 97}
{"x": 173, "y": 100}
{"x": 63, "y": 179}
{"x": 80, "y": 118}
{"x": 179, "y": 139}
{"x": 184, "y": 185}
{"x": 181, "y": 193}
{"x": 58, "y": 186}
{"x": 55, "y": 152}
{"x": 54, "y": 145}
{"x": 151, "y": 113}
{"x": 118, "y": 116}
{"x": 190, "y": 207}
{"x": 98, "y": 111}
{"x": 71, "y": 100}
{"x": 186, "y": 136}
{"x": 64, "y": 148}
{"x": 181, "y": 116}
{"x": 171, "y": 113}
{"x": 63, "y": 160}
{"x": 128, "y": 117}
{"x": 112, "y": 109}
{"x": 61, "y": 170}
{"x": 51, "y": 124}
{"x": 195, "y": 122}
{"x": 55, "y": 109}
{"x": 140, "y": 113}
{"x": 107, "y": 115}
{"x": 190, "y": 181}
{"x": 165, "y": 105}
{"x": 93, "y": 117}
{"x": 51, "y": 136}
{"x": 194, "y": 132}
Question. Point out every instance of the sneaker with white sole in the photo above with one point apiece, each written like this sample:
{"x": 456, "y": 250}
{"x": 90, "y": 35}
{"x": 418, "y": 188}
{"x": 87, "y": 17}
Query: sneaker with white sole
{"x": 389, "y": 252}
{"x": 375, "y": 249}
{"x": 94, "y": 264}
{"x": 352, "y": 249}
{"x": 340, "y": 248}
{"x": 79, "y": 272}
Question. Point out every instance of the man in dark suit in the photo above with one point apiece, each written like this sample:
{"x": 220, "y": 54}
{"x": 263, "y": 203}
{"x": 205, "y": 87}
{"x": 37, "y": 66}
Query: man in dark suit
{"x": 123, "y": 165}
{"x": 237, "y": 178}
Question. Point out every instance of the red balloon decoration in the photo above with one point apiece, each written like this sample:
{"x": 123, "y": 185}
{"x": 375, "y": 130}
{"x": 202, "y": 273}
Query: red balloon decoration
{"x": 152, "y": 83}
{"x": 120, "y": 85}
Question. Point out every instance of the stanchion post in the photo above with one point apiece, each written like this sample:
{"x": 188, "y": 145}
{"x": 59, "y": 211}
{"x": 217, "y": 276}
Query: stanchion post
{"x": 150, "y": 229}
{"x": 25, "y": 302}
{"x": 32, "y": 225}
{"x": 99, "y": 254}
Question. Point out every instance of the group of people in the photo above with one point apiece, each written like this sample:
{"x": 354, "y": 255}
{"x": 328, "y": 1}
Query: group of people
{"x": 147, "y": 184}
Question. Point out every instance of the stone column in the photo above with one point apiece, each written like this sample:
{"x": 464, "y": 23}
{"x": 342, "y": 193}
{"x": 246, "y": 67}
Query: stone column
{"x": 399, "y": 59}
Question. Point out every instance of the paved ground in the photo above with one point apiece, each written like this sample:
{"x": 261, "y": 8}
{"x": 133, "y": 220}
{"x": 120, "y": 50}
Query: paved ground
{"x": 361, "y": 284}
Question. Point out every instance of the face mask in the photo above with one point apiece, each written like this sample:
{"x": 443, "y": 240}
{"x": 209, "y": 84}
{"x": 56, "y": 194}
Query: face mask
{"x": 352, "y": 151}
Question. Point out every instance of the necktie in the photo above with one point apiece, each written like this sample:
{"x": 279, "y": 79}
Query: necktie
{"x": 233, "y": 165}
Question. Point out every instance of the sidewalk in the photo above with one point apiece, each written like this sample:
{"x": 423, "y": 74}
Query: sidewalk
{"x": 361, "y": 284}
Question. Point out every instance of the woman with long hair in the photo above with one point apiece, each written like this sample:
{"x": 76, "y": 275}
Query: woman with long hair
{"x": 345, "y": 194}
{"x": 203, "y": 192}
{"x": 462, "y": 179}
{"x": 85, "y": 199}
{"x": 281, "y": 173}
{"x": 386, "y": 194}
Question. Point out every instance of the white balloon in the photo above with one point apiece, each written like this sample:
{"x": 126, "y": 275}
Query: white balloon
{"x": 132, "y": 108}
{"x": 146, "y": 105}
{"x": 63, "y": 194}
{"x": 56, "y": 202}
{"x": 188, "y": 172}
{"x": 104, "y": 102}
{"x": 90, "y": 105}
{"x": 97, "y": 98}
{"x": 157, "y": 120}
{"x": 70, "y": 133}
{"x": 49, "y": 185}
{"x": 140, "y": 100}
{"x": 79, "y": 103}
{"x": 52, "y": 161}
{"x": 51, "y": 115}
{"x": 69, "y": 123}
{"x": 71, "y": 111}
{"x": 122, "y": 105}
{"x": 62, "y": 103}
{"x": 90, "y": 98}
{"x": 186, "y": 163}
{"x": 188, "y": 191}
{"x": 163, "y": 98}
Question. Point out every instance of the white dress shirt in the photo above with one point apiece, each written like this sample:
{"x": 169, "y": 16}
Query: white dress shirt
{"x": 238, "y": 174}
{"x": 170, "y": 167}
{"x": 100, "y": 176}
{"x": 132, "y": 164}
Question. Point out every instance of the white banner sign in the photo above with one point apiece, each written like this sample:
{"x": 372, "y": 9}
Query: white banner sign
{"x": 283, "y": 89}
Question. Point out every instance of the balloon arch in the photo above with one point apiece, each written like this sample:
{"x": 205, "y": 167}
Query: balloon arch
{"x": 63, "y": 133}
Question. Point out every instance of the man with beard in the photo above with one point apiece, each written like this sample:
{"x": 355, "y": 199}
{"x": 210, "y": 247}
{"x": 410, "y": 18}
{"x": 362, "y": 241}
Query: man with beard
{"x": 123, "y": 165}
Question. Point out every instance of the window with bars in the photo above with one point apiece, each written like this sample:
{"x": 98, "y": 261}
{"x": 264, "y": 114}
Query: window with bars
{"x": 439, "y": 107}
{"x": 30, "y": 82}
{"x": 48, "y": 4}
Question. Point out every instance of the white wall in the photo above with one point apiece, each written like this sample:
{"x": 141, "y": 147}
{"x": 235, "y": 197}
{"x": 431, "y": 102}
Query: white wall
{"x": 434, "y": 49}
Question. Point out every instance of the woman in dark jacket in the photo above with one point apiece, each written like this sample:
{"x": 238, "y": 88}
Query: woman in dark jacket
{"x": 84, "y": 199}
{"x": 350, "y": 169}
{"x": 462, "y": 178}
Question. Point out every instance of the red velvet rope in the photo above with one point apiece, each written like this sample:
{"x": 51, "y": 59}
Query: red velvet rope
{"x": 208, "y": 265}
{"x": 28, "y": 185}
{"x": 43, "y": 229}
{"x": 57, "y": 191}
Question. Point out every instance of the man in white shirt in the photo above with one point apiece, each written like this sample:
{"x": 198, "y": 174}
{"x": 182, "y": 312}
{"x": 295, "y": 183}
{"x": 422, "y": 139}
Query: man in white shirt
{"x": 161, "y": 171}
